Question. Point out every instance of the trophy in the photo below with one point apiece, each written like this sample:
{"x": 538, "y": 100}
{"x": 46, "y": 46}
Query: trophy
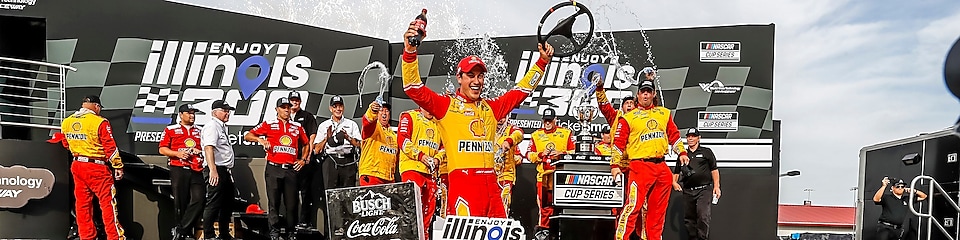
{"x": 383, "y": 79}
{"x": 585, "y": 113}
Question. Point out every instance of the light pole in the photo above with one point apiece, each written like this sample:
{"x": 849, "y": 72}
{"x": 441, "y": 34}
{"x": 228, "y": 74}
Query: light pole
{"x": 808, "y": 201}
{"x": 790, "y": 173}
{"x": 856, "y": 199}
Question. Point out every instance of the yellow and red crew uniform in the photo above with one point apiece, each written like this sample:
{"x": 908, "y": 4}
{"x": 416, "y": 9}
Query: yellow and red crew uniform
{"x": 378, "y": 152}
{"x": 419, "y": 141}
{"x": 513, "y": 137}
{"x": 544, "y": 141}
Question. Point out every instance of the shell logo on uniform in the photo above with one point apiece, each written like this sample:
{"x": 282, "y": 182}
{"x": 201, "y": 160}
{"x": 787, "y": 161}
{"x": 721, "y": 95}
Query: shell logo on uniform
{"x": 652, "y": 124}
{"x": 76, "y": 126}
{"x": 189, "y": 143}
{"x": 430, "y": 133}
{"x": 476, "y": 128}
{"x": 551, "y": 147}
{"x": 286, "y": 140}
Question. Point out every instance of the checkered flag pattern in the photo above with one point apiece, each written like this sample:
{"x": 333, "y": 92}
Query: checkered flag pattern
{"x": 159, "y": 100}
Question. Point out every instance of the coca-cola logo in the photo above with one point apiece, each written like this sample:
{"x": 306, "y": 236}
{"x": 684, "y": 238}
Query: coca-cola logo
{"x": 381, "y": 227}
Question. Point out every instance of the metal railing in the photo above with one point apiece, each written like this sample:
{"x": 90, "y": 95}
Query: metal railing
{"x": 929, "y": 214}
{"x": 32, "y": 93}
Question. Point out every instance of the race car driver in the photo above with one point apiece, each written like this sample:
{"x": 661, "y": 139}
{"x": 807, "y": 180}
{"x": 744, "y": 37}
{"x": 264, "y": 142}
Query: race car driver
{"x": 378, "y": 150}
{"x": 181, "y": 144}
{"x": 419, "y": 141}
{"x": 643, "y": 137}
{"x": 546, "y": 144}
{"x": 509, "y": 139}
{"x": 287, "y": 151}
{"x": 96, "y": 164}
{"x": 468, "y": 125}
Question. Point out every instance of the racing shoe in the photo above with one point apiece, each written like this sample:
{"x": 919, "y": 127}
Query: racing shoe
{"x": 542, "y": 234}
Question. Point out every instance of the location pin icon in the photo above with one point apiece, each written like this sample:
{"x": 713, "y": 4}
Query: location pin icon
{"x": 249, "y": 85}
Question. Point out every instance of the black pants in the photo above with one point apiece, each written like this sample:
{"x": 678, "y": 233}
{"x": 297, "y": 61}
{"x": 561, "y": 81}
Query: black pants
{"x": 334, "y": 177}
{"x": 281, "y": 187}
{"x": 886, "y": 232}
{"x": 188, "y": 197}
{"x": 310, "y": 185}
{"x": 219, "y": 202}
{"x": 696, "y": 217}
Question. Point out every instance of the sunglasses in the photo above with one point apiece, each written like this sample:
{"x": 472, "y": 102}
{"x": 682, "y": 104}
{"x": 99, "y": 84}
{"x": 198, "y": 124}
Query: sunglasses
{"x": 898, "y": 186}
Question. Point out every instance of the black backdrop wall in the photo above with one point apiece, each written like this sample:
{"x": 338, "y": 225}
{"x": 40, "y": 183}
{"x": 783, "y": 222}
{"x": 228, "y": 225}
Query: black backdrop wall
{"x": 145, "y": 57}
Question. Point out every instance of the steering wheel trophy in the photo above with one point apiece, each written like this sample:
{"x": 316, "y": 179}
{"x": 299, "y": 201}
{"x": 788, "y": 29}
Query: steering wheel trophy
{"x": 383, "y": 79}
{"x": 951, "y": 76}
{"x": 564, "y": 28}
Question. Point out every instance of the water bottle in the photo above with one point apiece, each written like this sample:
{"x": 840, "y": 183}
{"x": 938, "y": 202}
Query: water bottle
{"x": 715, "y": 199}
{"x": 420, "y": 21}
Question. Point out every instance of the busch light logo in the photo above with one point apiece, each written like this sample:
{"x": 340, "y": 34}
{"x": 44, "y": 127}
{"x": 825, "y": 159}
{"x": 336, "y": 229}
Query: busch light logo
{"x": 371, "y": 204}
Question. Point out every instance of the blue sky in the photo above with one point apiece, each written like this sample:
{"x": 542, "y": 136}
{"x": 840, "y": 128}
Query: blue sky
{"x": 847, "y": 73}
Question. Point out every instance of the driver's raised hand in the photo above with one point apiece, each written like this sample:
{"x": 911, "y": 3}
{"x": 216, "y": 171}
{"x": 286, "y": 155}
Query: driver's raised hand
{"x": 546, "y": 51}
{"x": 412, "y": 31}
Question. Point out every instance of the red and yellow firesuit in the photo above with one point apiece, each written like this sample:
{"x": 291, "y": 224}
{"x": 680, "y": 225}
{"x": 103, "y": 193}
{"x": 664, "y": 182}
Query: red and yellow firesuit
{"x": 611, "y": 115}
{"x": 89, "y": 138}
{"x": 418, "y": 138}
{"x": 468, "y": 129}
{"x": 542, "y": 141}
{"x": 378, "y": 152}
{"x": 513, "y": 136}
{"x": 643, "y": 136}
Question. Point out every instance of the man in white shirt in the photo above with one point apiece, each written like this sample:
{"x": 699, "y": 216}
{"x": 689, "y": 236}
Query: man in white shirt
{"x": 336, "y": 145}
{"x": 220, "y": 190}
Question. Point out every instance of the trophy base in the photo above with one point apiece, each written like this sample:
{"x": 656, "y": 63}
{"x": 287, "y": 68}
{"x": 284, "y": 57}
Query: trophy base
{"x": 585, "y": 144}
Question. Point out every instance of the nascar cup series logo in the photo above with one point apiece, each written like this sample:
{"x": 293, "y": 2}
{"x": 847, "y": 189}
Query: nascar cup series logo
{"x": 202, "y": 72}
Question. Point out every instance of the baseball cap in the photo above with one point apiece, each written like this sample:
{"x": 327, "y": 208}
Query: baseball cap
{"x": 92, "y": 99}
{"x": 468, "y": 63}
{"x": 336, "y": 99}
{"x": 693, "y": 131}
{"x": 221, "y": 105}
{"x": 549, "y": 114}
{"x": 646, "y": 84}
{"x": 283, "y": 101}
{"x": 294, "y": 94}
{"x": 254, "y": 209}
{"x": 896, "y": 181}
{"x": 188, "y": 108}
{"x": 387, "y": 106}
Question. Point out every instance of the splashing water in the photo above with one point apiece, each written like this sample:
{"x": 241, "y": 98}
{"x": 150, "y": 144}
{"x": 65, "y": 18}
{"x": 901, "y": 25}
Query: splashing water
{"x": 383, "y": 79}
{"x": 497, "y": 79}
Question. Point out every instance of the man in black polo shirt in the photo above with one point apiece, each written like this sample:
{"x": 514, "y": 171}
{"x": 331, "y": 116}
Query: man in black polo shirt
{"x": 310, "y": 180}
{"x": 894, "y": 208}
{"x": 700, "y": 183}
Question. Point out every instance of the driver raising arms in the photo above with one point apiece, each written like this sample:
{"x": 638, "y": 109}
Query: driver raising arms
{"x": 468, "y": 125}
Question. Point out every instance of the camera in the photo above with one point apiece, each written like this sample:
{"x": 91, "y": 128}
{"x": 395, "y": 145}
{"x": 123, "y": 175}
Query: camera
{"x": 687, "y": 171}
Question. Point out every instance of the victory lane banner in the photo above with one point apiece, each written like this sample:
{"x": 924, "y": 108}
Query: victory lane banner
{"x": 463, "y": 228}
{"x": 389, "y": 211}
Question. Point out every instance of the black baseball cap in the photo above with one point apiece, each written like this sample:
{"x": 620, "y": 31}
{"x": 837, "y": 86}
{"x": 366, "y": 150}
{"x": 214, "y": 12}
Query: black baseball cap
{"x": 294, "y": 94}
{"x": 335, "y": 100}
{"x": 283, "y": 101}
{"x": 646, "y": 84}
{"x": 896, "y": 181}
{"x": 188, "y": 108}
{"x": 92, "y": 99}
{"x": 221, "y": 105}
{"x": 386, "y": 105}
{"x": 693, "y": 131}
{"x": 549, "y": 114}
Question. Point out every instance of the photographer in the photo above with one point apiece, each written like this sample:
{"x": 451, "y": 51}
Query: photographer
{"x": 699, "y": 177}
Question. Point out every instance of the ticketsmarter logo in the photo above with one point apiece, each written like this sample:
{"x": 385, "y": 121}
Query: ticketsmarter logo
{"x": 193, "y": 72}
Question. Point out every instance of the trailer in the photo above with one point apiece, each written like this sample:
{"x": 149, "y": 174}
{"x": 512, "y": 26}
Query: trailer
{"x": 927, "y": 162}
